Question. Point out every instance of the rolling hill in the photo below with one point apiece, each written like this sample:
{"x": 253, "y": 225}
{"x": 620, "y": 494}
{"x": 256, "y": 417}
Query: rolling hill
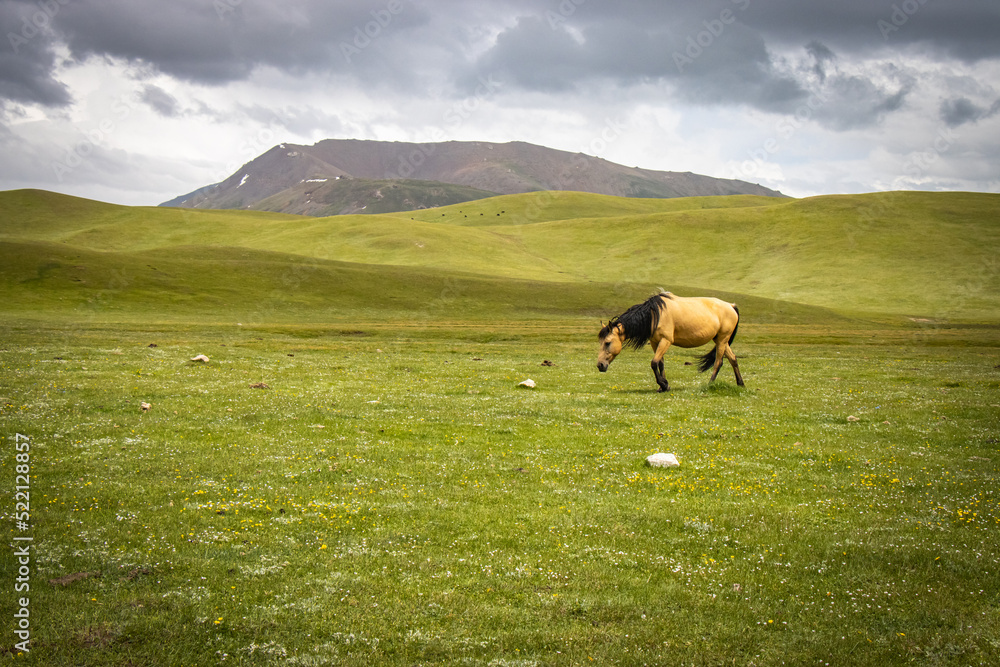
{"x": 319, "y": 197}
{"x": 349, "y": 176}
{"x": 925, "y": 256}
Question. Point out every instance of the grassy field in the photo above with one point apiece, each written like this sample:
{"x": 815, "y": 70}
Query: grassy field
{"x": 395, "y": 498}
{"x": 355, "y": 477}
{"x": 919, "y": 255}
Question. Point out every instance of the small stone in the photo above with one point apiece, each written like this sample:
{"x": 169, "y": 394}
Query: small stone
{"x": 144, "y": 406}
{"x": 852, "y": 418}
{"x": 662, "y": 460}
{"x": 201, "y": 358}
{"x": 529, "y": 383}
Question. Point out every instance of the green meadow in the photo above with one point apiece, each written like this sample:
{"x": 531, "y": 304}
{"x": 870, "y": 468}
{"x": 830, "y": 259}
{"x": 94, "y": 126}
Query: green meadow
{"x": 355, "y": 477}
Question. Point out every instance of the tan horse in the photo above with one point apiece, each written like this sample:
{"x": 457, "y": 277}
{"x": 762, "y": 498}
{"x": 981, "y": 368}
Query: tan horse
{"x": 664, "y": 320}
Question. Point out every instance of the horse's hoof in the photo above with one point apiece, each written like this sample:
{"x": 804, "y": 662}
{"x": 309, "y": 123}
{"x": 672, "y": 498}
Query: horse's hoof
{"x": 663, "y": 390}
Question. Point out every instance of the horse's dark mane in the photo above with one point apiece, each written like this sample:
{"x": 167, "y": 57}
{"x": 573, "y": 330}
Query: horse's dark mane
{"x": 638, "y": 322}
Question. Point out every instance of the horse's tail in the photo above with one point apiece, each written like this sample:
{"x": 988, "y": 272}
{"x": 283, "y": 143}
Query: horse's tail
{"x": 708, "y": 359}
{"x": 732, "y": 336}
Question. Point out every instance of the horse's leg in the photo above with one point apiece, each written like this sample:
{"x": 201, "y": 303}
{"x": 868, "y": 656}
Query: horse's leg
{"x": 657, "y": 364}
{"x": 657, "y": 367}
{"x": 720, "y": 351}
{"x": 736, "y": 367}
{"x": 718, "y": 361}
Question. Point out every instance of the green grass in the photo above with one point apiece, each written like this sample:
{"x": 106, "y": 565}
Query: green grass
{"x": 50, "y": 282}
{"x": 533, "y": 207}
{"x": 394, "y": 498}
{"x": 930, "y": 255}
{"x": 356, "y": 195}
{"x": 47, "y": 216}
{"x": 919, "y": 255}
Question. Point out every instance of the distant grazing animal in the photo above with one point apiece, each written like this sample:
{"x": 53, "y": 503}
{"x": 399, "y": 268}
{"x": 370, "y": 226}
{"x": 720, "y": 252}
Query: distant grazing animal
{"x": 664, "y": 320}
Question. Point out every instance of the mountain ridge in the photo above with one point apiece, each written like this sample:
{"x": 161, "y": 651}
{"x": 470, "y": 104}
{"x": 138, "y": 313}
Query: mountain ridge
{"x": 489, "y": 168}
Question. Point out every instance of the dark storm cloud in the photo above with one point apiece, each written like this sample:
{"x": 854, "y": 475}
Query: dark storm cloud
{"x": 27, "y": 59}
{"x": 520, "y": 51}
{"x": 853, "y": 102}
{"x": 821, "y": 55}
{"x": 708, "y": 57}
{"x": 159, "y": 100}
{"x": 961, "y": 110}
{"x": 220, "y": 41}
{"x": 714, "y": 61}
{"x": 184, "y": 39}
{"x": 846, "y": 101}
{"x": 965, "y": 29}
{"x": 203, "y": 41}
{"x": 772, "y": 55}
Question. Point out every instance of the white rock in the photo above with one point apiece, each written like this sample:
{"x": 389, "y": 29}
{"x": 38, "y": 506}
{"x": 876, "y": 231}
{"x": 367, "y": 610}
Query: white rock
{"x": 201, "y": 357}
{"x": 529, "y": 383}
{"x": 662, "y": 460}
{"x": 144, "y": 406}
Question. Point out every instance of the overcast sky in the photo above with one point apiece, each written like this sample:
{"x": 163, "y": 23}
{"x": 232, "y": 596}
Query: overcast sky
{"x": 137, "y": 101}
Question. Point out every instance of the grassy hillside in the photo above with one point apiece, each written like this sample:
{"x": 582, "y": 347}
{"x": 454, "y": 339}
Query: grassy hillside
{"x": 919, "y": 255}
{"x": 928, "y": 255}
{"x": 535, "y": 207}
{"x": 360, "y": 195}
{"x": 48, "y": 216}
{"x": 230, "y": 285}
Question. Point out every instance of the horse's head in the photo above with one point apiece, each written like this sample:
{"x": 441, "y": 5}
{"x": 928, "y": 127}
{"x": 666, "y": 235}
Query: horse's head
{"x": 611, "y": 344}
